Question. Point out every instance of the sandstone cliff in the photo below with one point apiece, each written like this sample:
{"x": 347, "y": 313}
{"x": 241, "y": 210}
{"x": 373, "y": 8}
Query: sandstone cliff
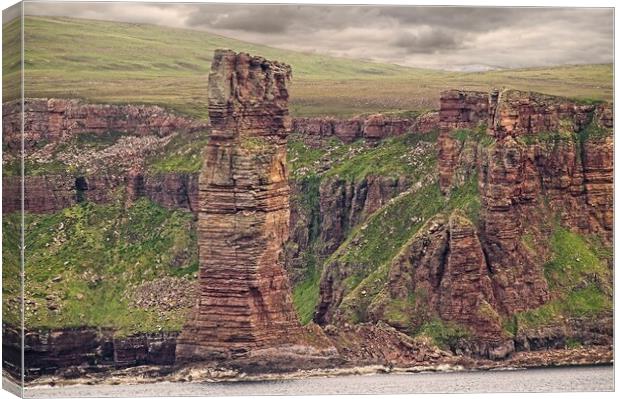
{"x": 53, "y": 120}
{"x": 533, "y": 175}
{"x": 243, "y": 214}
{"x": 52, "y": 193}
{"x": 373, "y": 127}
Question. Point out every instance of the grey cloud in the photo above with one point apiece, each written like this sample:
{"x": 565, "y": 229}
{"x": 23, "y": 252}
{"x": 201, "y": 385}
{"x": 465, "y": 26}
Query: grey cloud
{"x": 263, "y": 19}
{"x": 434, "y": 37}
{"x": 431, "y": 41}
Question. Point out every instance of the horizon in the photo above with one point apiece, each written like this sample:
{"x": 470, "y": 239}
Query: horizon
{"x": 473, "y": 71}
{"x": 439, "y": 38}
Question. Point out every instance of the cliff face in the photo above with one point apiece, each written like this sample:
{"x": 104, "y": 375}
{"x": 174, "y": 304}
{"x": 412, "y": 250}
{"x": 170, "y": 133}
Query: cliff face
{"x": 442, "y": 271}
{"x": 243, "y": 214}
{"x": 373, "y": 127}
{"x": 53, "y": 120}
{"x": 344, "y": 204}
{"x": 459, "y": 110}
{"x": 542, "y": 163}
{"x": 71, "y": 353}
{"x": 51, "y": 193}
{"x": 523, "y": 179}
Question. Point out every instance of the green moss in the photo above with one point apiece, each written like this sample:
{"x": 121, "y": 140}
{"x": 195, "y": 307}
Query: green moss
{"x": 11, "y": 269}
{"x": 548, "y": 138}
{"x": 478, "y": 135}
{"x": 34, "y": 168}
{"x": 370, "y": 248}
{"x": 594, "y": 131}
{"x": 579, "y": 281}
{"x": 392, "y": 157}
{"x": 585, "y": 302}
{"x": 306, "y": 293}
{"x": 86, "y": 259}
{"x": 301, "y": 156}
{"x": 574, "y": 262}
{"x": 254, "y": 144}
{"x": 183, "y": 154}
{"x": 444, "y": 334}
{"x": 399, "y": 312}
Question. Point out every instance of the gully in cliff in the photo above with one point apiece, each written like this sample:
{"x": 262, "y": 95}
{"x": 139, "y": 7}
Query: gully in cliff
{"x": 244, "y": 308}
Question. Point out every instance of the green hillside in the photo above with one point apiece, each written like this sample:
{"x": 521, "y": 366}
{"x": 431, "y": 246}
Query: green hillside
{"x": 120, "y": 62}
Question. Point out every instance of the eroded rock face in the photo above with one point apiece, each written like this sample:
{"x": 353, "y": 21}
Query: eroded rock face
{"x": 442, "y": 272}
{"x": 71, "y": 353}
{"x": 540, "y": 160}
{"x": 243, "y": 217}
{"x": 458, "y": 110}
{"x": 344, "y": 204}
{"x": 373, "y": 127}
{"x": 51, "y": 193}
{"x": 53, "y": 120}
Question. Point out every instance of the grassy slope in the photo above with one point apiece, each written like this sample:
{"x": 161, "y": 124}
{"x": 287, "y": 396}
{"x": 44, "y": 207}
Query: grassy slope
{"x": 87, "y": 259}
{"x": 387, "y": 226}
{"x": 117, "y": 62}
{"x": 580, "y": 282}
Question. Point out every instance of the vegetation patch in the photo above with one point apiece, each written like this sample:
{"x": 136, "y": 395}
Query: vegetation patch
{"x": 139, "y": 64}
{"x": 306, "y": 292}
{"x": 478, "y": 135}
{"x": 371, "y": 247}
{"x": 594, "y": 132}
{"x": 83, "y": 263}
{"x": 549, "y": 138}
{"x": 183, "y": 154}
{"x": 444, "y": 334}
{"x": 579, "y": 280}
{"x": 411, "y": 155}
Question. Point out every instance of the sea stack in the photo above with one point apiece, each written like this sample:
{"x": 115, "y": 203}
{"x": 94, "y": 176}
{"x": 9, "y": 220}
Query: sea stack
{"x": 243, "y": 217}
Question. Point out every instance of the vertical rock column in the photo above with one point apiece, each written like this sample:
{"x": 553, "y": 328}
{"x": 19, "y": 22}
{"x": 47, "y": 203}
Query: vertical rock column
{"x": 243, "y": 217}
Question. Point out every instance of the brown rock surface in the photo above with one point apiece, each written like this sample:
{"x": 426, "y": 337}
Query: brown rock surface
{"x": 52, "y": 120}
{"x": 545, "y": 156}
{"x": 458, "y": 110}
{"x": 373, "y": 127}
{"x": 442, "y": 272}
{"x": 51, "y": 193}
{"x": 245, "y": 302}
{"x": 373, "y": 344}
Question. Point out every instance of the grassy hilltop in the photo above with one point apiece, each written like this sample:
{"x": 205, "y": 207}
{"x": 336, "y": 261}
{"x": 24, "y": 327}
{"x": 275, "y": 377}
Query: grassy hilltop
{"x": 138, "y": 63}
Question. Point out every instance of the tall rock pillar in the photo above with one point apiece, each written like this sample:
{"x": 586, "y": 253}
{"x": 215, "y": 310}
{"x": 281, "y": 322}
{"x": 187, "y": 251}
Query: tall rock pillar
{"x": 243, "y": 216}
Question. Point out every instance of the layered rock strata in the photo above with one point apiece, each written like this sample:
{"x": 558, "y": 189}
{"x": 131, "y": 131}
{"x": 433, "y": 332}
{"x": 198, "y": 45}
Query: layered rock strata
{"x": 72, "y": 352}
{"x": 458, "y": 110}
{"x": 53, "y": 120}
{"x": 373, "y": 127}
{"x": 243, "y": 215}
{"x": 540, "y": 160}
{"x": 320, "y": 227}
{"x": 51, "y": 193}
{"x": 442, "y": 272}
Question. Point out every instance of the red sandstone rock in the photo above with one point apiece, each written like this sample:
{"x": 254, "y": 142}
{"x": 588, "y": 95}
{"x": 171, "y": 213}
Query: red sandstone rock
{"x": 243, "y": 215}
{"x": 444, "y": 270}
{"x": 52, "y": 120}
{"x": 525, "y": 164}
{"x": 458, "y": 110}
{"x": 51, "y": 193}
{"x": 374, "y": 127}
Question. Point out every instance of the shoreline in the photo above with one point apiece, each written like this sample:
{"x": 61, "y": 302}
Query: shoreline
{"x": 203, "y": 373}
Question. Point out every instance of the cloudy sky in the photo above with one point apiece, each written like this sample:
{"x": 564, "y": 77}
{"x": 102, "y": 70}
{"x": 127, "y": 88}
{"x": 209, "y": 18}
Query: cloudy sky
{"x": 435, "y": 37}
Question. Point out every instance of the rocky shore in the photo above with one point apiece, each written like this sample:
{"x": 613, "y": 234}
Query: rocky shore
{"x": 203, "y": 372}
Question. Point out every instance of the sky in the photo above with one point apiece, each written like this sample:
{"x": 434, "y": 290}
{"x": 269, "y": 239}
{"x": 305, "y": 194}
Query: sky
{"x": 453, "y": 38}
